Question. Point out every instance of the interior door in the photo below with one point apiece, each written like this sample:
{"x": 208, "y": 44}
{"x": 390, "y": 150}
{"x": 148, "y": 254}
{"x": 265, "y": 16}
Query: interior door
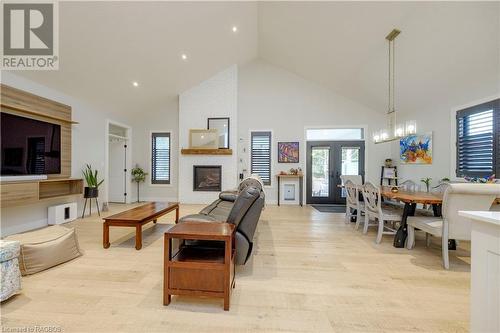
{"x": 326, "y": 162}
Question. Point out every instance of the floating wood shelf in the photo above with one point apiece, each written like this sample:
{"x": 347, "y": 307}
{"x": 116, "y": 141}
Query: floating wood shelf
{"x": 193, "y": 151}
{"x": 19, "y": 193}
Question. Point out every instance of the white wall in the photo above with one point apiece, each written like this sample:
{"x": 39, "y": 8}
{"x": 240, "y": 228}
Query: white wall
{"x": 215, "y": 97}
{"x": 271, "y": 98}
{"x": 88, "y": 146}
{"x": 166, "y": 119}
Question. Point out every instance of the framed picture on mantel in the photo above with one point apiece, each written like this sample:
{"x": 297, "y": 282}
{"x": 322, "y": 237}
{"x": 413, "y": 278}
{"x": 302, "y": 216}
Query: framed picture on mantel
{"x": 203, "y": 138}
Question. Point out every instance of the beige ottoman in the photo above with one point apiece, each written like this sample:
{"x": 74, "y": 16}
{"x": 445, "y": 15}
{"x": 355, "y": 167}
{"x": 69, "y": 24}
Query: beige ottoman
{"x": 45, "y": 248}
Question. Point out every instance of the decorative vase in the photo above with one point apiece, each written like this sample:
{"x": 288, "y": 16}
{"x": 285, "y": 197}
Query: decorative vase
{"x": 90, "y": 192}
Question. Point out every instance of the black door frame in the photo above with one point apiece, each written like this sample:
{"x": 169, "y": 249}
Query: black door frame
{"x": 335, "y": 165}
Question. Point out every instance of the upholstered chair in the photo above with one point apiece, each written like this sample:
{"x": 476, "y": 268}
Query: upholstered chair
{"x": 460, "y": 196}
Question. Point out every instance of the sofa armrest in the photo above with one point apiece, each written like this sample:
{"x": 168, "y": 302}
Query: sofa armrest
{"x": 228, "y": 196}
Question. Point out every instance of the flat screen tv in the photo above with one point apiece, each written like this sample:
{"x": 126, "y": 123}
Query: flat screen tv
{"x": 29, "y": 146}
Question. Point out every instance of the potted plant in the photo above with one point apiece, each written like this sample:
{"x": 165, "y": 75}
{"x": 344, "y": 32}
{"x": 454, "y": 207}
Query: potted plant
{"x": 427, "y": 182}
{"x": 92, "y": 188}
{"x": 138, "y": 176}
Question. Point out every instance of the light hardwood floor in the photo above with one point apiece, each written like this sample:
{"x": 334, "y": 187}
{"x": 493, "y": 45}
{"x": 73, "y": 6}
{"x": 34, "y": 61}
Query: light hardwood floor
{"x": 309, "y": 273}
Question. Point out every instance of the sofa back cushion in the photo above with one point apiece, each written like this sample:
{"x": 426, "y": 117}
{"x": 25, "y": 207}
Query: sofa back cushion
{"x": 244, "y": 201}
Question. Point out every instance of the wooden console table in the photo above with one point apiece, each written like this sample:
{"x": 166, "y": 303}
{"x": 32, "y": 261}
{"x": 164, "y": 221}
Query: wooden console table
{"x": 136, "y": 218}
{"x": 300, "y": 177}
{"x": 199, "y": 271}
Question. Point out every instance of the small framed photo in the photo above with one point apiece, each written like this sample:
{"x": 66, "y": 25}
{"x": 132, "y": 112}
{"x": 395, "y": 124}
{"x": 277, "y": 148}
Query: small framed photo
{"x": 288, "y": 152}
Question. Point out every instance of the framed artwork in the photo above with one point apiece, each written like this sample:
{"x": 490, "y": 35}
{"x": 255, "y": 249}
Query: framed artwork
{"x": 288, "y": 152}
{"x": 203, "y": 139}
{"x": 416, "y": 149}
{"x": 221, "y": 125}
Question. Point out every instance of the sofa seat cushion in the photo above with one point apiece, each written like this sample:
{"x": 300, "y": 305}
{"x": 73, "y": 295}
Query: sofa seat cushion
{"x": 431, "y": 225}
{"x": 9, "y": 249}
{"x": 45, "y": 248}
{"x": 222, "y": 210}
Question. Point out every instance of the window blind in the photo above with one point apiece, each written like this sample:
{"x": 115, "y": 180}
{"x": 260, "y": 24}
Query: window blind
{"x": 160, "y": 158}
{"x": 478, "y": 140}
{"x": 261, "y": 155}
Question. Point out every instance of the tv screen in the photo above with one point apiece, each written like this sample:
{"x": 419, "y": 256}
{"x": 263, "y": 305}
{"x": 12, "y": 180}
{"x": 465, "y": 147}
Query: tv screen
{"x": 29, "y": 146}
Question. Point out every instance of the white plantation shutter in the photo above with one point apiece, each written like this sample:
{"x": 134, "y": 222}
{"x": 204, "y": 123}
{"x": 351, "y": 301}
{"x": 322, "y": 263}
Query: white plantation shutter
{"x": 478, "y": 140}
{"x": 261, "y": 155}
{"x": 160, "y": 158}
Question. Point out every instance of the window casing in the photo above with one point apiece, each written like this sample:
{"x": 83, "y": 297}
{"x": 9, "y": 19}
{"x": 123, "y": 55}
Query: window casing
{"x": 478, "y": 140}
{"x": 260, "y": 155}
{"x": 160, "y": 158}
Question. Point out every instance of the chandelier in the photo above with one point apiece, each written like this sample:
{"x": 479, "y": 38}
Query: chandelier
{"x": 394, "y": 130}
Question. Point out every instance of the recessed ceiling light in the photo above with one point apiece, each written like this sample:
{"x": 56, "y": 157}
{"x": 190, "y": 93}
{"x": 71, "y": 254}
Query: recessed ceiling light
{"x": 184, "y": 56}
{"x": 135, "y": 84}
{"x": 235, "y": 28}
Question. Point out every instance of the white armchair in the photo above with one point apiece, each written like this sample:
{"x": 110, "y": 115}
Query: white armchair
{"x": 457, "y": 197}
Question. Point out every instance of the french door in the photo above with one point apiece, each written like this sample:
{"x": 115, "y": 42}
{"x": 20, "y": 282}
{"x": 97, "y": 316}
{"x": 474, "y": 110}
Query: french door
{"x": 326, "y": 162}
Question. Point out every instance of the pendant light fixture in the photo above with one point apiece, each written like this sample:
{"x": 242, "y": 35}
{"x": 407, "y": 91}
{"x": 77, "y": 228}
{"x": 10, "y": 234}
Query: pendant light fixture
{"x": 394, "y": 130}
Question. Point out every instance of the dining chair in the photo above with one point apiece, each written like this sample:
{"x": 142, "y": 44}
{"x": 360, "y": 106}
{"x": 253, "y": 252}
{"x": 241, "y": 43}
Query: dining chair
{"x": 410, "y": 186}
{"x": 379, "y": 214}
{"x": 356, "y": 179}
{"x": 457, "y": 197}
{"x": 353, "y": 202}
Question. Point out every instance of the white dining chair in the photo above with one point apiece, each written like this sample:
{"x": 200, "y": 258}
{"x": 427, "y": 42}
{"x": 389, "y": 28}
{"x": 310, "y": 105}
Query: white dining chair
{"x": 410, "y": 186}
{"x": 457, "y": 197}
{"x": 380, "y": 215}
{"x": 356, "y": 179}
{"x": 353, "y": 203}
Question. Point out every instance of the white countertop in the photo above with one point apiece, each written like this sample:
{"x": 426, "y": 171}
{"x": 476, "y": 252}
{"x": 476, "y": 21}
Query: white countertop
{"x": 484, "y": 216}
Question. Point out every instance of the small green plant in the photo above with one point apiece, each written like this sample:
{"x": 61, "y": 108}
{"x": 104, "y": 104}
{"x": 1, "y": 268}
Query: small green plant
{"x": 427, "y": 182}
{"x": 91, "y": 177}
{"x": 138, "y": 176}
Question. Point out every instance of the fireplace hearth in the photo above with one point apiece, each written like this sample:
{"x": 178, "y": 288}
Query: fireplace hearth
{"x": 207, "y": 178}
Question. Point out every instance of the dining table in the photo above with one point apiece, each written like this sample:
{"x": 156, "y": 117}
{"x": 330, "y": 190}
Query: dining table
{"x": 410, "y": 200}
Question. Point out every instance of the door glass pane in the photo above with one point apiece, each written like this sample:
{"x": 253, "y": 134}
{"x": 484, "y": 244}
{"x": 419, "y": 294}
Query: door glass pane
{"x": 350, "y": 163}
{"x": 320, "y": 171}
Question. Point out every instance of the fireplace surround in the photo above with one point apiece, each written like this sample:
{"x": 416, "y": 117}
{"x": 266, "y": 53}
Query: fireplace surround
{"x": 207, "y": 178}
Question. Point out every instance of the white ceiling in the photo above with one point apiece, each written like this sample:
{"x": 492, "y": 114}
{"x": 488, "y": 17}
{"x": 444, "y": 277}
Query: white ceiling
{"x": 445, "y": 49}
{"x": 105, "y": 46}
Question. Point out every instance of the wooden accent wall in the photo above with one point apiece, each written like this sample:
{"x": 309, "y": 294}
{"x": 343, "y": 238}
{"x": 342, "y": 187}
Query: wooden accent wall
{"x": 22, "y": 103}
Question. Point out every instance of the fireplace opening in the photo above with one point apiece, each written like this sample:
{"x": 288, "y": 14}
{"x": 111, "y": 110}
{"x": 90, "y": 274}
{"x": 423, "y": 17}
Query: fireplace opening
{"x": 207, "y": 178}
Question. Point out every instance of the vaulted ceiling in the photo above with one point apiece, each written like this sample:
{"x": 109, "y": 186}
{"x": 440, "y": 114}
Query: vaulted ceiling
{"x": 445, "y": 49}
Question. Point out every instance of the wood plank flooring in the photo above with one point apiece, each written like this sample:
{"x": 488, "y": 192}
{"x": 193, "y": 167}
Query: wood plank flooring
{"x": 310, "y": 272}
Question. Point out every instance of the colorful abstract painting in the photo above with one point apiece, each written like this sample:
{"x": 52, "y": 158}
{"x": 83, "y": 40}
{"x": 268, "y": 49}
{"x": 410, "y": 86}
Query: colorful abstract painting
{"x": 288, "y": 152}
{"x": 416, "y": 149}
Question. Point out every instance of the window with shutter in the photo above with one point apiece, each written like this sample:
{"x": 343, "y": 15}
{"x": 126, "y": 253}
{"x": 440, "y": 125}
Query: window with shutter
{"x": 160, "y": 158}
{"x": 478, "y": 140}
{"x": 261, "y": 155}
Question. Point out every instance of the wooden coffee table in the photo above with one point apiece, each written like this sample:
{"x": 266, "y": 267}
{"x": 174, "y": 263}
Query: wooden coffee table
{"x": 136, "y": 218}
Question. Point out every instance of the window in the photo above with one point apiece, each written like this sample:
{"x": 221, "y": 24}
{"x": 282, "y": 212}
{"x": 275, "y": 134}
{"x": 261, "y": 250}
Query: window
{"x": 160, "y": 158}
{"x": 478, "y": 140}
{"x": 261, "y": 155}
{"x": 332, "y": 134}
